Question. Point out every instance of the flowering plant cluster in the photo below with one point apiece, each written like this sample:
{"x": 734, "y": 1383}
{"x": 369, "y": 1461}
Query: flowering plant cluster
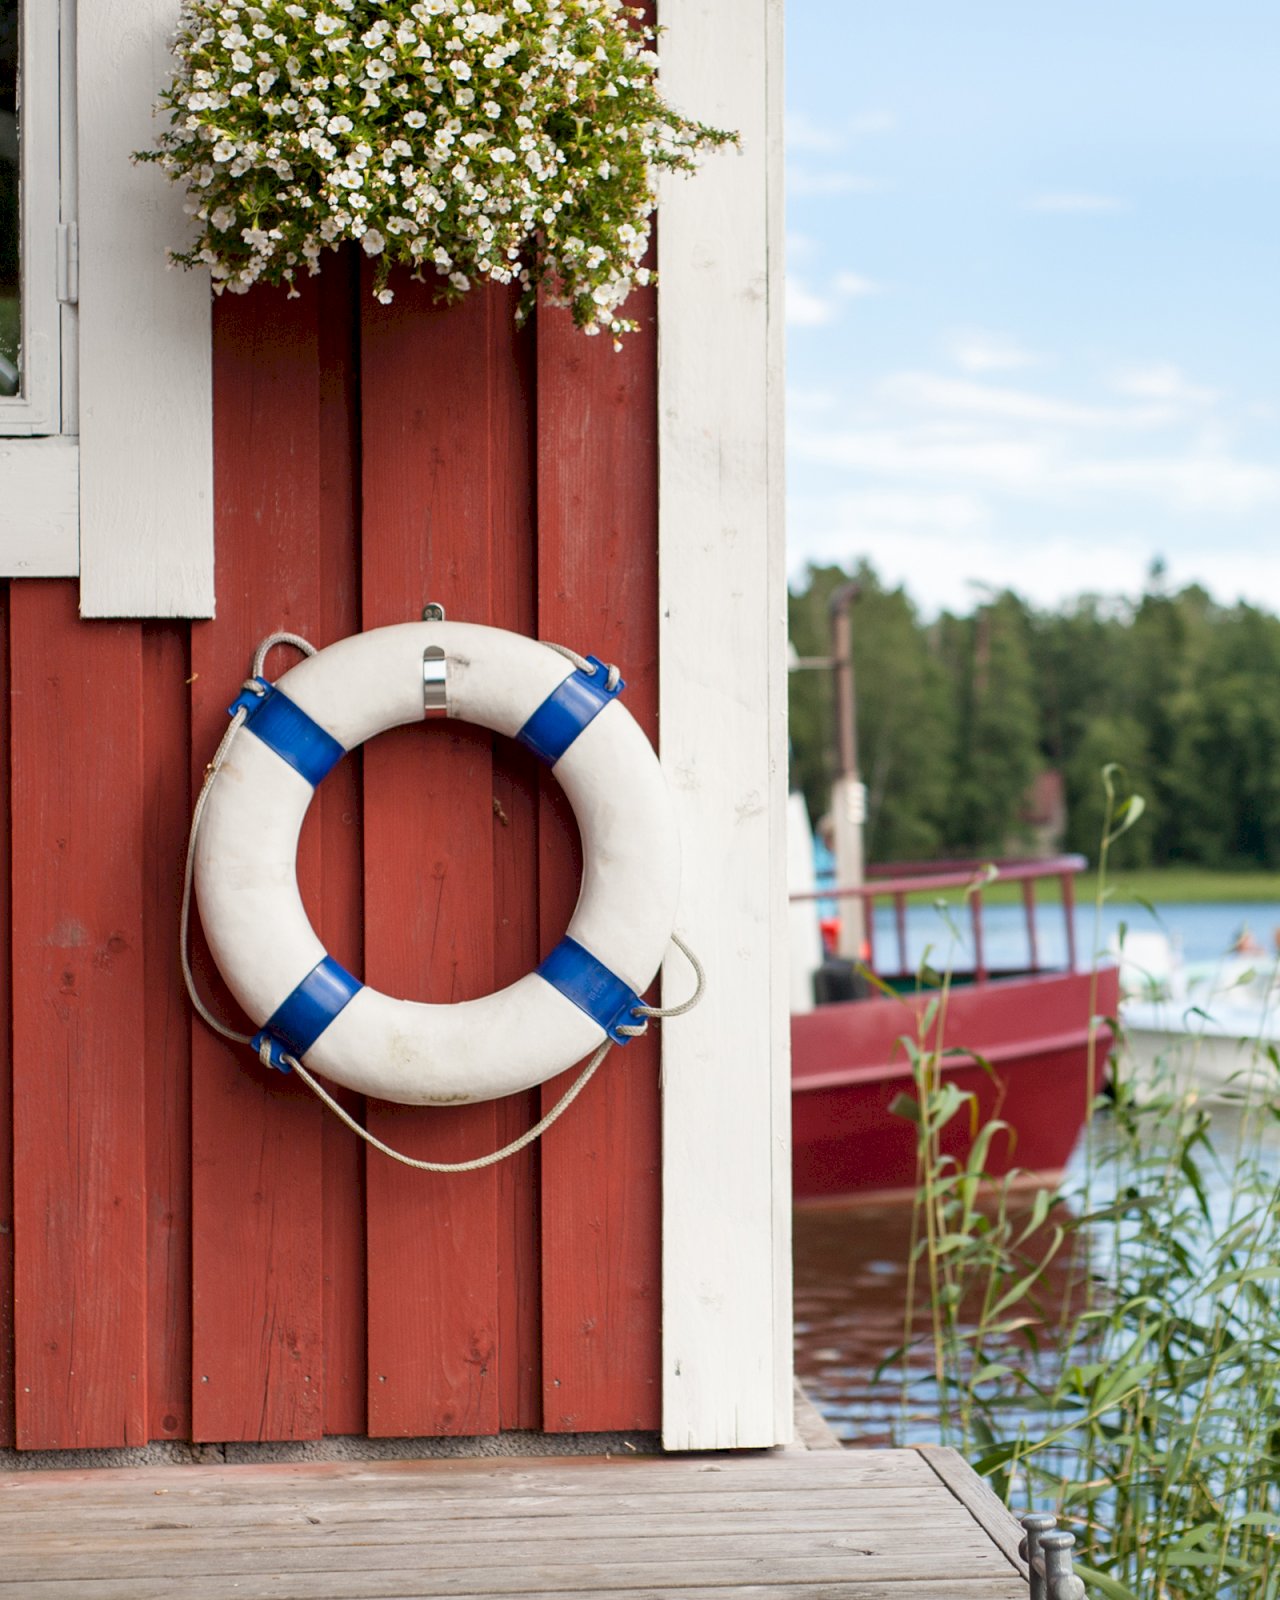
{"x": 518, "y": 143}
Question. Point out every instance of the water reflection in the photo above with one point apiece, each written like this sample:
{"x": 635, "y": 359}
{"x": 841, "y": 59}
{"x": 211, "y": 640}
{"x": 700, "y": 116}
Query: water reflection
{"x": 851, "y": 1279}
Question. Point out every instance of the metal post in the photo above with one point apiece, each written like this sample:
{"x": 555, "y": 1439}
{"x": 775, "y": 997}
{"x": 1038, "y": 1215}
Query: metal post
{"x": 1060, "y": 1582}
{"x": 1034, "y": 1526}
{"x": 1047, "y": 1551}
{"x": 848, "y": 799}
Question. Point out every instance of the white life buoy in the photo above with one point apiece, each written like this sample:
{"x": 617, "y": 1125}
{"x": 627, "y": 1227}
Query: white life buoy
{"x": 246, "y": 882}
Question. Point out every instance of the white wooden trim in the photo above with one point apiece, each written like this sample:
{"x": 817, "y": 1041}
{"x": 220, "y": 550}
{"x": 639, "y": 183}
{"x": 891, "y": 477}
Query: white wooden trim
{"x": 726, "y": 1099}
{"x": 39, "y": 512}
{"x": 146, "y": 415}
{"x": 37, "y": 408}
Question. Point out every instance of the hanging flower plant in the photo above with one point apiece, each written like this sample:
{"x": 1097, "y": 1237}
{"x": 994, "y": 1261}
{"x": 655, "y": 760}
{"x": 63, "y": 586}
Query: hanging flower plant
{"x": 519, "y": 144}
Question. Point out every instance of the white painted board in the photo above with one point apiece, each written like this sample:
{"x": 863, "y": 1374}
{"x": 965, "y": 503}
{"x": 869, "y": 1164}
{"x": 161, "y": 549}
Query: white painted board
{"x": 39, "y": 508}
{"x": 146, "y": 415}
{"x": 727, "y": 1361}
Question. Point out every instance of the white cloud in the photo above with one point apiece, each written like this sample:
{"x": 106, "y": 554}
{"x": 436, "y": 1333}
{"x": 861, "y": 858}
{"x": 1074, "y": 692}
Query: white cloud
{"x": 805, "y": 181}
{"x": 977, "y": 350}
{"x": 805, "y": 309}
{"x": 963, "y": 397}
{"x": 810, "y": 308}
{"x": 1067, "y": 204}
{"x": 803, "y": 133}
{"x": 1162, "y": 380}
{"x": 854, "y": 285}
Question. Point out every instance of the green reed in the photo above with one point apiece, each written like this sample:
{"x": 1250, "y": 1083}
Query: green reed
{"x": 1110, "y": 1350}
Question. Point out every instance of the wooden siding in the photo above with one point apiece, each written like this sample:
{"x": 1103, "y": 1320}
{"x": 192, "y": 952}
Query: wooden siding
{"x": 196, "y": 1250}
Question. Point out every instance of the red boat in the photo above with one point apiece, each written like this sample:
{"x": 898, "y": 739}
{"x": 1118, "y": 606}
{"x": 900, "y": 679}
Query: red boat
{"x": 1028, "y": 1047}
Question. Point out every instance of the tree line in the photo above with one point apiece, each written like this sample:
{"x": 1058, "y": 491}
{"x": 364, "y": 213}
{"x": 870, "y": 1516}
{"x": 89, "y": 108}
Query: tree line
{"x": 957, "y": 716}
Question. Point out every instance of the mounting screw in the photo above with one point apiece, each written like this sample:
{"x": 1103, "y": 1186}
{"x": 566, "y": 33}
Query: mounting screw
{"x": 433, "y": 611}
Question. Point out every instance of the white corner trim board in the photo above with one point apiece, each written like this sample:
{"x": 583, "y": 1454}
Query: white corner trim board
{"x": 146, "y": 412}
{"x": 726, "y": 1098}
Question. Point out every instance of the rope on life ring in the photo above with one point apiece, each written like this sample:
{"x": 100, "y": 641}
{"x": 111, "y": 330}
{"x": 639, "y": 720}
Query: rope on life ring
{"x": 241, "y": 859}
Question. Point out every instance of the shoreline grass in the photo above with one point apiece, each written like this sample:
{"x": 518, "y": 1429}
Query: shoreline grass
{"x": 1155, "y": 885}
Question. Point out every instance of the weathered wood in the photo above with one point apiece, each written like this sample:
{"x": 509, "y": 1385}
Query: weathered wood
{"x": 987, "y": 1588}
{"x": 597, "y": 591}
{"x": 166, "y": 736}
{"x": 257, "y": 1194}
{"x": 880, "y": 1526}
{"x": 979, "y": 1500}
{"x": 78, "y": 1024}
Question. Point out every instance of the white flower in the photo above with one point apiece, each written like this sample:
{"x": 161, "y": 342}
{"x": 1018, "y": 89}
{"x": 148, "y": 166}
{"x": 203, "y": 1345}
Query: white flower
{"x": 372, "y": 242}
{"x": 415, "y": 119}
{"x": 223, "y": 217}
{"x": 460, "y": 70}
{"x": 385, "y": 297}
{"x": 339, "y": 124}
{"x": 327, "y": 25}
{"x": 241, "y": 62}
{"x": 223, "y": 151}
{"x": 502, "y": 154}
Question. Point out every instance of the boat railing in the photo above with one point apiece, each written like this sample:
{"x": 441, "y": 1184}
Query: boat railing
{"x": 900, "y": 880}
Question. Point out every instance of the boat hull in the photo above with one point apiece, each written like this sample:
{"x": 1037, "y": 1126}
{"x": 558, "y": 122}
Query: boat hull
{"x": 1026, "y": 1059}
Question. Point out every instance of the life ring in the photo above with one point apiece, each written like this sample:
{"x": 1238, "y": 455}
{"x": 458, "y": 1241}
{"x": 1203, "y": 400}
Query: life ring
{"x": 245, "y": 863}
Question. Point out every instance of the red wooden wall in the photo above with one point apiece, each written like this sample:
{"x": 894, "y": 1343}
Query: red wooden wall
{"x": 190, "y": 1247}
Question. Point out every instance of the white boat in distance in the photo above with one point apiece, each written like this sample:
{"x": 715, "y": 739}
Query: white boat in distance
{"x": 1209, "y": 1025}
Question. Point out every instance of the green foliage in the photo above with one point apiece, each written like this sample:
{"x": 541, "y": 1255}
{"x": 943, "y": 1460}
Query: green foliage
{"x": 905, "y": 715}
{"x": 520, "y": 144}
{"x": 958, "y": 716}
{"x": 1111, "y": 1352}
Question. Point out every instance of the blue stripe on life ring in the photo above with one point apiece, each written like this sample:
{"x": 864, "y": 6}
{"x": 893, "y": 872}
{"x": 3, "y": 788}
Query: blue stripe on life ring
{"x": 591, "y": 986}
{"x": 301, "y": 1017}
{"x": 287, "y": 729}
{"x": 567, "y": 710}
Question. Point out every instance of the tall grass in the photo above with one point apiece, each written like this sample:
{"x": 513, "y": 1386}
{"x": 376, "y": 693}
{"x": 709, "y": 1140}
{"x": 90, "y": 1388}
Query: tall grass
{"x": 1111, "y": 1350}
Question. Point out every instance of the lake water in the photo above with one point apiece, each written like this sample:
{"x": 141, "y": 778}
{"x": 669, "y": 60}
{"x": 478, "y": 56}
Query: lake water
{"x": 851, "y": 1273}
{"x": 1197, "y": 932}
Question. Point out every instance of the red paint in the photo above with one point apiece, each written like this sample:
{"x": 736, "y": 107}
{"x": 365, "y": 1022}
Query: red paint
{"x": 258, "y": 1324}
{"x": 6, "y": 1058}
{"x": 597, "y": 591}
{"x": 79, "y": 1021}
{"x": 167, "y": 1038}
{"x": 849, "y": 1064}
{"x": 202, "y": 1252}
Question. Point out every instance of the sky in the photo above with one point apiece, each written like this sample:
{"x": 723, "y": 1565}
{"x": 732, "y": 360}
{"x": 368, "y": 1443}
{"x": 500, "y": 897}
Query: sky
{"x": 1033, "y": 294}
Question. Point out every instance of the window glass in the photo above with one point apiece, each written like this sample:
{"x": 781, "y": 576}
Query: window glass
{"x": 10, "y": 235}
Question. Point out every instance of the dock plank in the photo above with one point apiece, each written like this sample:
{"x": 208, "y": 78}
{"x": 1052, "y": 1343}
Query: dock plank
{"x": 884, "y": 1525}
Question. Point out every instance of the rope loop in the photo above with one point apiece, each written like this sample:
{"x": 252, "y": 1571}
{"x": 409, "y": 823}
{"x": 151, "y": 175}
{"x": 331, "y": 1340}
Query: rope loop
{"x": 645, "y": 1013}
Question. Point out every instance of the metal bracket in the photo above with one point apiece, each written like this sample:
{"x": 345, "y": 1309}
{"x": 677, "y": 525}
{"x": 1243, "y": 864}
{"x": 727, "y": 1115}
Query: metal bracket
{"x": 433, "y": 611}
{"x": 435, "y": 682}
{"x": 68, "y": 263}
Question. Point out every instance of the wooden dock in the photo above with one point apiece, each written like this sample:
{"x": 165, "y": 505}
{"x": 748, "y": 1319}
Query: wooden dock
{"x": 795, "y": 1525}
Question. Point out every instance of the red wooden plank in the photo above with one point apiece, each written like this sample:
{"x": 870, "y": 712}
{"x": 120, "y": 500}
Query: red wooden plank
{"x": 6, "y": 1051}
{"x": 439, "y": 388}
{"x": 336, "y": 812}
{"x": 516, "y": 777}
{"x": 78, "y": 1024}
{"x": 257, "y": 1180}
{"x": 167, "y": 1048}
{"x": 601, "y": 1164}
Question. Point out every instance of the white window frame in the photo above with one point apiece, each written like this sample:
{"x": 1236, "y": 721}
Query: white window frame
{"x": 46, "y": 224}
{"x": 121, "y": 490}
